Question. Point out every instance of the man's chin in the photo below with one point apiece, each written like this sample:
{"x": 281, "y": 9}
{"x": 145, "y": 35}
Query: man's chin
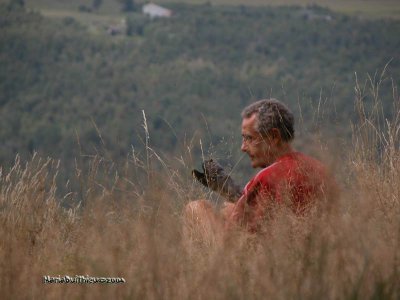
{"x": 256, "y": 165}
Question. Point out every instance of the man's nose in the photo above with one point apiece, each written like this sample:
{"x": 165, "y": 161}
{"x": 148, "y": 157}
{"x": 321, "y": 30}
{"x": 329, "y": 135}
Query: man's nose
{"x": 243, "y": 147}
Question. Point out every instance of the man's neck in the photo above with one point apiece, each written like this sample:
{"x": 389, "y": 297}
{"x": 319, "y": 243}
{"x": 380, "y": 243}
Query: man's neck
{"x": 285, "y": 148}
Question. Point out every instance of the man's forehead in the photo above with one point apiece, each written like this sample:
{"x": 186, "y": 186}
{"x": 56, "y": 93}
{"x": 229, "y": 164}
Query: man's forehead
{"x": 249, "y": 123}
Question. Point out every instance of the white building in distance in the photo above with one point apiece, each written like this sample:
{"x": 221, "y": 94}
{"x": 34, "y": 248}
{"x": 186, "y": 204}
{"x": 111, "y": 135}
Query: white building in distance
{"x": 154, "y": 11}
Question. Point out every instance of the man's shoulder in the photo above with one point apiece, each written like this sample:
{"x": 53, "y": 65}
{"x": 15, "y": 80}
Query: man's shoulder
{"x": 287, "y": 164}
{"x": 309, "y": 163}
{"x": 268, "y": 174}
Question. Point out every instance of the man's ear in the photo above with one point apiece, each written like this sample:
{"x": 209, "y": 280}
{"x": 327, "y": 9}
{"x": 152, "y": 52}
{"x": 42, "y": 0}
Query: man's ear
{"x": 275, "y": 136}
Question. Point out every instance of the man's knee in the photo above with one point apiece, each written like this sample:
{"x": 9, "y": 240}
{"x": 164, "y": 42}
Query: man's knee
{"x": 227, "y": 210}
{"x": 198, "y": 205}
{"x": 198, "y": 208}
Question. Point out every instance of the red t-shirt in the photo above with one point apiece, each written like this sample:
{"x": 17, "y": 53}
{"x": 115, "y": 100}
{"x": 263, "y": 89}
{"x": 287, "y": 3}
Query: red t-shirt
{"x": 295, "y": 179}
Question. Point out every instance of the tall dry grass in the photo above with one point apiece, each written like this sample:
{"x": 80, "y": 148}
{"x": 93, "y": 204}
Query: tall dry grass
{"x": 129, "y": 224}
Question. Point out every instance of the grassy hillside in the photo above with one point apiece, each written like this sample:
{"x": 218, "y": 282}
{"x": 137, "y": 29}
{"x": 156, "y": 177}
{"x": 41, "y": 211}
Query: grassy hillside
{"x": 364, "y": 8}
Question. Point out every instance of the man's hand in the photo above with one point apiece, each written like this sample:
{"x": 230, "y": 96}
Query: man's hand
{"x": 215, "y": 178}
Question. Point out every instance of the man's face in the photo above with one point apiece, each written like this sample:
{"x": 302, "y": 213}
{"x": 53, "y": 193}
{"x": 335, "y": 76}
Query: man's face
{"x": 259, "y": 148}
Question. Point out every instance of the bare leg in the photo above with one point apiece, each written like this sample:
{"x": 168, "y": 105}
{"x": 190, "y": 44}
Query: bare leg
{"x": 203, "y": 222}
{"x": 226, "y": 210}
{"x": 201, "y": 214}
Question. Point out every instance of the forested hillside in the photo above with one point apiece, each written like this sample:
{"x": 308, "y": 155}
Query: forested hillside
{"x": 65, "y": 91}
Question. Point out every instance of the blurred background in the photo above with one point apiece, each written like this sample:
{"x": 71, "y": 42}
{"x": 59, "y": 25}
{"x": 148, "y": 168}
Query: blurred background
{"x": 78, "y": 77}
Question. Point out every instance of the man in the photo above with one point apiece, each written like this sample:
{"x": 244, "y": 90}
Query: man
{"x": 287, "y": 177}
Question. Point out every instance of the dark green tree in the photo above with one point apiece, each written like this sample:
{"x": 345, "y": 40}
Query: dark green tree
{"x": 128, "y": 5}
{"x": 16, "y": 4}
{"x": 136, "y": 24}
{"x": 96, "y": 4}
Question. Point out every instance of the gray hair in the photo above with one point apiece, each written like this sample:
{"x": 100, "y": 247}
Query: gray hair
{"x": 271, "y": 113}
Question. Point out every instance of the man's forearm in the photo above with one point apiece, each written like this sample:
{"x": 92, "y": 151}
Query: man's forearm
{"x": 232, "y": 192}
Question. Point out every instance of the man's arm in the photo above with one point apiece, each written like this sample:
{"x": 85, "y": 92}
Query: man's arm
{"x": 251, "y": 208}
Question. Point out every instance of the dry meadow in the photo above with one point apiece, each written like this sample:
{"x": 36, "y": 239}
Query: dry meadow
{"x": 128, "y": 223}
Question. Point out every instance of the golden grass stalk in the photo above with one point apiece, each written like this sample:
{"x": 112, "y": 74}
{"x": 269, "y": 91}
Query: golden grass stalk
{"x": 133, "y": 228}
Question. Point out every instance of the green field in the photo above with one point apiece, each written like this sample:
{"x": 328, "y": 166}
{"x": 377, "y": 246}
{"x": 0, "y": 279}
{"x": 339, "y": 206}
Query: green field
{"x": 367, "y": 8}
{"x": 109, "y": 13}
{"x": 363, "y": 8}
